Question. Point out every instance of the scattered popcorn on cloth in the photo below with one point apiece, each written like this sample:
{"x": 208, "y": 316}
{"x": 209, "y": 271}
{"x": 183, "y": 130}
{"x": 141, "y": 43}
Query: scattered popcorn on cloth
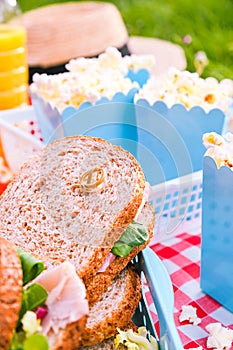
{"x": 220, "y": 337}
{"x": 188, "y": 89}
{"x": 89, "y": 79}
{"x": 189, "y": 313}
{"x": 220, "y": 148}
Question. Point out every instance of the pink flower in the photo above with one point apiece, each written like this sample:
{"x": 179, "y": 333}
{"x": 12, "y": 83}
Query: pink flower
{"x": 187, "y": 39}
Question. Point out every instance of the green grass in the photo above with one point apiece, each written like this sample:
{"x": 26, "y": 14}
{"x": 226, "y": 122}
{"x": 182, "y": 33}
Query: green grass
{"x": 209, "y": 23}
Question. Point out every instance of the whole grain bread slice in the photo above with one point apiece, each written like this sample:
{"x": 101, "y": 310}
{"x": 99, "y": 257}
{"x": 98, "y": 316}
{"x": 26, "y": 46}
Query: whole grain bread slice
{"x": 97, "y": 284}
{"x": 10, "y": 291}
{"x": 47, "y": 211}
{"x": 114, "y": 309}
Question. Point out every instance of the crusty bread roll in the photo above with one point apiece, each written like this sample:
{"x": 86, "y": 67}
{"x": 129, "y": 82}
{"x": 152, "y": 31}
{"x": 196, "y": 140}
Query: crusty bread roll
{"x": 46, "y": 212}
{"x": 11, "y": 284}
{"x": 114, "y": 309}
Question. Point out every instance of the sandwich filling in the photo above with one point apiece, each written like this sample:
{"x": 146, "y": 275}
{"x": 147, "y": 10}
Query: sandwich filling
{"x": 135, "y": 235}
{"x": 55, "y": 298}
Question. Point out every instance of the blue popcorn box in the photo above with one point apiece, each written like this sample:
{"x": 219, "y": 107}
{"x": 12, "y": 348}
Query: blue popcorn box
{"x": 162, "y": 147}
{"x": 216, "y": 277}
{"x": 50, "y": 119}
{"x": 190, "y": 125}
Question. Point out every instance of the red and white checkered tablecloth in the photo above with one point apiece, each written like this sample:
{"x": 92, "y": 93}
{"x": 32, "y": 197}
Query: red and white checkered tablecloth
{"x": 181, "y": 257}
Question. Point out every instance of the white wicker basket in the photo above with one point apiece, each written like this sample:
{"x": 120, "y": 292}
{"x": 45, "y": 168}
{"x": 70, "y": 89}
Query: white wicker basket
{"x": 177, "y": 204}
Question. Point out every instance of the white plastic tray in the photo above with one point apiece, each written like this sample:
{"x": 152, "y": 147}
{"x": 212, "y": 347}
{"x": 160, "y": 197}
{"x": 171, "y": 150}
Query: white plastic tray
{"x": 20, "y": 135}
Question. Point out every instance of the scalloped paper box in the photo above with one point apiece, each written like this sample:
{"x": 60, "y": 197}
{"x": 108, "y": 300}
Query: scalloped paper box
{"x": 50, "y": 119}
{"x": 217, "y": 233}
{"x": 190, "y": 125}
{"x": 145, "y": 133}
{"x": 141, "y": 76}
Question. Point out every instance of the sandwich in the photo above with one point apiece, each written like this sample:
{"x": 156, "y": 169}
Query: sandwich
{"x": 82, "y": 200}
{"x": 47, "y": 309}
{"x": 38, "y": 309}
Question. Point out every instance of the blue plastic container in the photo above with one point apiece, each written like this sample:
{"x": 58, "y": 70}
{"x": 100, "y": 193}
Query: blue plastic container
{"x": 217, "y": 233}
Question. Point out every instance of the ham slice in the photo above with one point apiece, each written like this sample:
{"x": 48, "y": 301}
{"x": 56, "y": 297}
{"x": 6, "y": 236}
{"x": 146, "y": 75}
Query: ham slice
{"x": 66, "y": 300}
{"x": 108, "y": 260}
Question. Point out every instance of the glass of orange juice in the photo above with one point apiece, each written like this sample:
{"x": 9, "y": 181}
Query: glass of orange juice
{"x": 13, "y": 67}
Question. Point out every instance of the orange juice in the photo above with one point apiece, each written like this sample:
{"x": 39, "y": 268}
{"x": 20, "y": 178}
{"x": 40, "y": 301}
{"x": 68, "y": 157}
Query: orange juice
{"x": 13, "y": 67}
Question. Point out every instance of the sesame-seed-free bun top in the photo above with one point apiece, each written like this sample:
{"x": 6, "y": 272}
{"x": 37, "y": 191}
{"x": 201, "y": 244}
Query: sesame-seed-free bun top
{"x": 50, "y": 211}
{"x": 10, "y": 291}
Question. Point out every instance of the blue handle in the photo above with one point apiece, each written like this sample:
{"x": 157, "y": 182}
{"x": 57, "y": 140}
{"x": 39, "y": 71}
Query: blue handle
{"x": 162, "y": 293}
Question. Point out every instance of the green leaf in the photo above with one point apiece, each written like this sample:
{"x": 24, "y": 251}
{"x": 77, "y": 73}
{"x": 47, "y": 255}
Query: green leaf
{"x": 121, "y": 249}
{"x": 17, "y": 341}
{"x": 31, "y": 266}
{"x": 34, "y": 296}
{"x": 36, "y": 342}
{"x": 134, "y": 235}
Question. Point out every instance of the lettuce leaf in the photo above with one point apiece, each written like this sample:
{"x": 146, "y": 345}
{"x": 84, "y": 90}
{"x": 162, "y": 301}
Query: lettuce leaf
{"x": 134, "y": 235}
{"x": 36, "y": 341}
{"x": 31, "y": 266}
{"x": 35, "y": 295}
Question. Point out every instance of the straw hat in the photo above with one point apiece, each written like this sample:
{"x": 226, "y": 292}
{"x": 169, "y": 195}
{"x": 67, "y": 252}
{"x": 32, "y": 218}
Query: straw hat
{"x": 57, "y": 33}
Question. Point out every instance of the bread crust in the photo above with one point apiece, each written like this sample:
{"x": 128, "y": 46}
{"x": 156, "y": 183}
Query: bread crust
{"x": 108, "y": 344}
{"x": 97, "y": 284}
{"x": 25, "y": 221}
{"x": 70, "y": 337}
{"x": 10, "y": 291}
{"x": 118, "y": 312}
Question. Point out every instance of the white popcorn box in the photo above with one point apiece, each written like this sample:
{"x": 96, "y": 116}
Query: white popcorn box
{"x": 217, "y": 234}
